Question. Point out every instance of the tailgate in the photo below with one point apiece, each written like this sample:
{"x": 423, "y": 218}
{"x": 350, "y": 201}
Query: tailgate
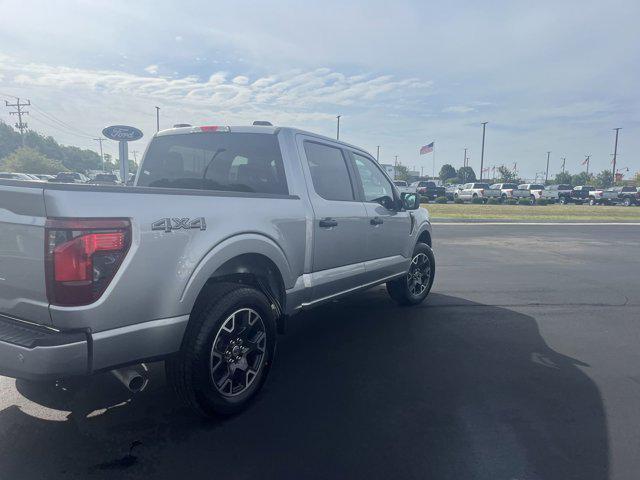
{"x": 22, "y": 280}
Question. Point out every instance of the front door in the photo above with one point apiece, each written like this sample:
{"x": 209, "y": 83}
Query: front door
{"x": 389, "y": 227}
{"x": 340, "y": 223}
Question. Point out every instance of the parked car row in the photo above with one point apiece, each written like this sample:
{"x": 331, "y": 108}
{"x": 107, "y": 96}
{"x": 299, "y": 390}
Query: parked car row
{"x": 561, "y": 193}
{"x": 62, "y": 177}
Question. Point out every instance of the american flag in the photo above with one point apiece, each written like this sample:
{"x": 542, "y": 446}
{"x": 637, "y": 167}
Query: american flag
{"x": 426, "y": 149}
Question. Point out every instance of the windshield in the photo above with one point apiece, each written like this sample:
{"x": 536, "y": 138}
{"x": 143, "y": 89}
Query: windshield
{"x": 239, "y": 162}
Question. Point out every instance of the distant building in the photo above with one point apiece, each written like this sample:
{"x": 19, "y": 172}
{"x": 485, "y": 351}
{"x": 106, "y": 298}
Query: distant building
{"x": 390, "y": 169}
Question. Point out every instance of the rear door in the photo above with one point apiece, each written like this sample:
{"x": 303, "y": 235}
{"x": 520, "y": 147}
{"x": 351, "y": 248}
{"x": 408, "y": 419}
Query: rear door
{"x": 388, "y": 227}
{"x": 22, "y": 280}
{"x": 340, "y": 224}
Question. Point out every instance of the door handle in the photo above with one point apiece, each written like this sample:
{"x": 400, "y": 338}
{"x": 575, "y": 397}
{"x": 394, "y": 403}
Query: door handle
{"x": 376, "y": 221}
{"x": 328, "y": 223}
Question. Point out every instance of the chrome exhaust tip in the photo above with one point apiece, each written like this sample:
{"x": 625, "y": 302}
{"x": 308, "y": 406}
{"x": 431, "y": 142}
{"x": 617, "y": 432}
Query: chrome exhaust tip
{"x": 135, "y": 379}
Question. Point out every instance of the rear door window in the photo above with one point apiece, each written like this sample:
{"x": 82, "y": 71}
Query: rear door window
{"x": 329, "y": 171}
{"x": 224, "y": 161}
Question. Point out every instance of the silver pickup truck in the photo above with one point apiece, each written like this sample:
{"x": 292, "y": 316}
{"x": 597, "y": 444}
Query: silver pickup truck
{"x": 227, "y": 232}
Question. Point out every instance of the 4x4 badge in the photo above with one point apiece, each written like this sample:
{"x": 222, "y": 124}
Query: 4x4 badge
{"x": 169, "y": 224}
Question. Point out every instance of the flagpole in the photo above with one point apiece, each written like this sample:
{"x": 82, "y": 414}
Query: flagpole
{"x": 434, "y": 160}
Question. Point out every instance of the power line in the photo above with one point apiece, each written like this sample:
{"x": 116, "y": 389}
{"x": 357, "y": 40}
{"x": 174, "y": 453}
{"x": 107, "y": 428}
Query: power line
{"x": 100, "y": 140}
{"x": 62, "y": 123}
{"x": 20, "y": 112}
{"x": 59, "y": 128}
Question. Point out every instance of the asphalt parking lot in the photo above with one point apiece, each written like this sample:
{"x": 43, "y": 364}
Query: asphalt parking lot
{"x": 523, "y": 364}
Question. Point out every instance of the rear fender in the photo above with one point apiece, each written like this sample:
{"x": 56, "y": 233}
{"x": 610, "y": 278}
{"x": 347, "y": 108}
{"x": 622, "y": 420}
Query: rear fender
{"x": 229, "y": 249}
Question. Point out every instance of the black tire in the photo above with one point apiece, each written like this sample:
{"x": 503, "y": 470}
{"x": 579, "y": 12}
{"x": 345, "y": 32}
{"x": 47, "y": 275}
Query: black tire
{"x": 627, "y": 202}
{"x": 592, "y": 201}
{"x": 532, "y": 200}
{"x": 399, "y": 289}
{"x": 192, "y": 372}
{"x": 563, "y": 200}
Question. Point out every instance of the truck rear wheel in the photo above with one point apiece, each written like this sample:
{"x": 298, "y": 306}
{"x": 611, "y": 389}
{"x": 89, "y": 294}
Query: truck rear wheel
{"x": 226, "y": 352}
{"x": 414, "y": 287}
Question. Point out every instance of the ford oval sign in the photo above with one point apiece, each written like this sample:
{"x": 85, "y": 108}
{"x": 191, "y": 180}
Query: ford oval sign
{"x": 122, "y": 133}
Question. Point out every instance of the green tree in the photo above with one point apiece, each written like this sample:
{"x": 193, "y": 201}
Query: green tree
{"x": 466, "y": 174}
{"x": 582, "y": 178}
{"x": 563, "y": 177}
{"x": 73, "y": 158}
{"x": 507, "y": 175}
{"x": 446, "y": 172}
{"x": 29, "y": 160}
{"x": 402, "y": 173}
{"x": 9, "y": 140}
{"x": 603, "y": 179}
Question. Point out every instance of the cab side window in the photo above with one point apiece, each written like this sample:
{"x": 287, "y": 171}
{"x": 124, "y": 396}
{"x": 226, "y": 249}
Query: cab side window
{"x": 329, "y": 172}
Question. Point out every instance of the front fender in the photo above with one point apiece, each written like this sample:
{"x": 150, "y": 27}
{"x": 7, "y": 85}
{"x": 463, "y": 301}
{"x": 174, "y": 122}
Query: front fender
{"x": 229, "y": 248}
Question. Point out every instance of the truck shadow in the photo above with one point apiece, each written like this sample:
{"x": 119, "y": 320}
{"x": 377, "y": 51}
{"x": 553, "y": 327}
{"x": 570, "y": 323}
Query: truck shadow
{"x": 361, "y": 388}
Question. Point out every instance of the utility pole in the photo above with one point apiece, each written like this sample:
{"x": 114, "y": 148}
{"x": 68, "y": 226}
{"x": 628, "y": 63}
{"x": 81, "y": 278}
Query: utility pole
{"x": 395, "y": 168}
{"x": 135, "y": 156}
{"x": 564, "y": 159}
{"x": 615, "y": 156}
{"x": 100, "y": 140}
{"x": 587, "y": 160}
{"x": 338, "y": 130}
{"x": 546, "y": 175}
{"x": 484, "y": 125}
{"x": 20, "y": 125}
{"x": 157, "y": 119}
{"x": 464, "y": 160}
{"x": 378, "y": 153}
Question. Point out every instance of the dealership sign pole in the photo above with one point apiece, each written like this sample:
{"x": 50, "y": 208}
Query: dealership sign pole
{"x": 123, "y": 134}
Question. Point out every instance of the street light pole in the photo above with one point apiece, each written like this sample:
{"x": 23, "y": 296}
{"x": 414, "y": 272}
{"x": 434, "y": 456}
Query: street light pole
{"x": 546, "y": 175}
{"x": 157, "y": 119}
{"x": 378, "y": 153}
{"x": 338, "y": 131}
{"x": 615, "y": 156}
{"x": 484, "y": 125}
{"x": 564, "y": 159}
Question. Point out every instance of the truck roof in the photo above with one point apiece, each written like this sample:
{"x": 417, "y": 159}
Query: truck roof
{"x": 271, "y": 129}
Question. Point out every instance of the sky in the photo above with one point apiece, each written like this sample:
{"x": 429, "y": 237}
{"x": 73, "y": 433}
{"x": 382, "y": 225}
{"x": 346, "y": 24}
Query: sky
{"x": 546, "y": 76}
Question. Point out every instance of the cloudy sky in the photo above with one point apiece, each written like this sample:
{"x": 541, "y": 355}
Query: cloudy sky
{"x": 555, "y": 76}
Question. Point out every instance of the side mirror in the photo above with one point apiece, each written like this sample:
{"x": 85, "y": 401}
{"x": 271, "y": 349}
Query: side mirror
{"x": 410, "y": 201}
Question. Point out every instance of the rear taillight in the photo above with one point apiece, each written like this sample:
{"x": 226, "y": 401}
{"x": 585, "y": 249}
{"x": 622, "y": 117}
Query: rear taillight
{"x": 82, "y": 257}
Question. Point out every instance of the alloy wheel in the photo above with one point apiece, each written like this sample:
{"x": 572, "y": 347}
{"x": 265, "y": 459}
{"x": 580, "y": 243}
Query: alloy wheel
{"x": 419, "y": 274}
{"x": 238, "y": 352}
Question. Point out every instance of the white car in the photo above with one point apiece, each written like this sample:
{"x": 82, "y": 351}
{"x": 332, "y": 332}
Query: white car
{"x": 403, "y": 187}
{"x": 469, "y": 191}
{"x": 506, "y": 189}
{"x": 16, "y": 176}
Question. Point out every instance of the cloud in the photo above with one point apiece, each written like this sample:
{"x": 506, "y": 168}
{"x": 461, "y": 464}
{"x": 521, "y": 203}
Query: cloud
{"x": 458, "y": 109}
{"x": 152, "y": 69}
{"x": 294, "y": 90}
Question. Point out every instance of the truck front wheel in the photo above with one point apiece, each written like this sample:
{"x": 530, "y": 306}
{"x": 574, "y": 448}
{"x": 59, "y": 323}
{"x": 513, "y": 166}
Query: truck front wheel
{"x": 413, "y": 288}
{"x": 226, "y": 352}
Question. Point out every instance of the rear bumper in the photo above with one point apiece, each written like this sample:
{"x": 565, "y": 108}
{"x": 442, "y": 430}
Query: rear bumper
{"x": 39, "y": 353}
{"x": 34, "y": 352}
